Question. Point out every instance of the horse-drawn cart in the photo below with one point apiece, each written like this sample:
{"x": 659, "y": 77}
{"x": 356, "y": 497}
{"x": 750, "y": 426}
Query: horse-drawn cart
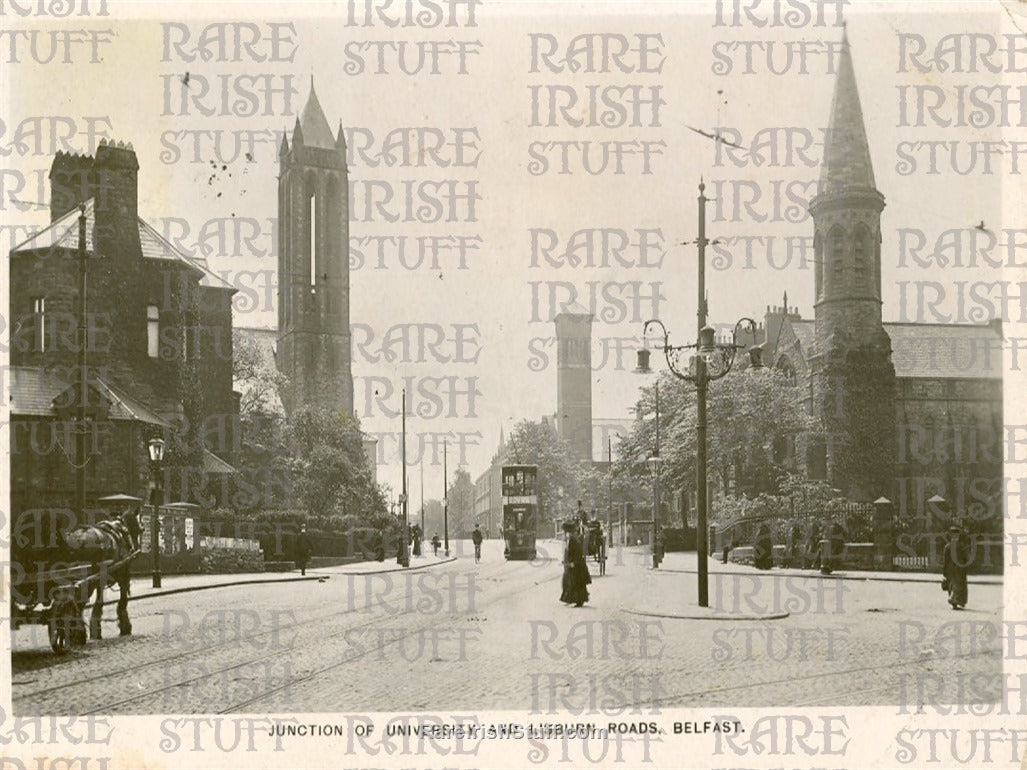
{"x": 56, "y": 597}
{"x": 57, "y": 564}
{"x": 597, "y": 544}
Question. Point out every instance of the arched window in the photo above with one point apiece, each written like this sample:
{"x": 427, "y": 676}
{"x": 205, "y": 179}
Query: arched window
{"x": 861, "y": 250}
{"x": 836, "y": 248}
{"x": 311, "y": 236}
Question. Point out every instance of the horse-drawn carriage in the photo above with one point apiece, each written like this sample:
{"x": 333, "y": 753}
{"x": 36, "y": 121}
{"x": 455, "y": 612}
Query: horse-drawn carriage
{"x": 56, "y": 566}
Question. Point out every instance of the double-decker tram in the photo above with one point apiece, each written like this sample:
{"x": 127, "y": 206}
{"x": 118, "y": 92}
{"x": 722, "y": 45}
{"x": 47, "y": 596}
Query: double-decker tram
{"x": 520, "y": 510}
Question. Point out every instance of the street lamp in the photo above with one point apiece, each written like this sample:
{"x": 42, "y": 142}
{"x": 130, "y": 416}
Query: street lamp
{"x": 712, "y": 362}
{"x": 155, "y": 447}
{"x": 654, "y": 462}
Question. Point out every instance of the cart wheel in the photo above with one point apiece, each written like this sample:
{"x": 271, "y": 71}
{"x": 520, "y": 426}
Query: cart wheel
{"x": 60, "y": 635}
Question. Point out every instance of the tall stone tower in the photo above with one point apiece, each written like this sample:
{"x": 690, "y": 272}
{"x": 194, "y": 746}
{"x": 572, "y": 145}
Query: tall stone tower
{"x": 313, "y": 265}
{"x": 574, "y": 380}
{"x": 853, "y": 377}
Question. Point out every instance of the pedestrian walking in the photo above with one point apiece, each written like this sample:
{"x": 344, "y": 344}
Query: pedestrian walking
{"x": 794, "y": 558}
{"x": 576, "y": 577}
{"x": 955, "y": 563}
{"x": 476, "y": 539}
{"x": 302, "y": 550}
{"x": 435, "y": 543}
{"x": 835, "y": 548}
{"x": 763, "y": 548}
{"x": 812, "y": 560}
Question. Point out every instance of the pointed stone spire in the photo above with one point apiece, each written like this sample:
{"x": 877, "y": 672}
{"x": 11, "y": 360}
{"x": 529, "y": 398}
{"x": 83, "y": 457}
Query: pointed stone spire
{"x": 785, "y": 301}
{"x": 297, "y": 134}
{"x": 847, "y": 153}
{"x": 340, "y": 139}
{"x": 316, "y": 131}
{"x": 283, "y": 150}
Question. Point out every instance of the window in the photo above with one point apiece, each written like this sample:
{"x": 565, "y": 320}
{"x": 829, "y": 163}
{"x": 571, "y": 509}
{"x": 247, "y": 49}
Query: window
{"x": 836, "y": 246}
{"x": 39, "y": 313}
{"x": 152, "y": 331}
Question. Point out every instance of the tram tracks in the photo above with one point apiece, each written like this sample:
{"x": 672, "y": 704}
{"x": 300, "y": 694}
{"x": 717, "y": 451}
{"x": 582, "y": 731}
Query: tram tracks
{"x": 211, "y": 651}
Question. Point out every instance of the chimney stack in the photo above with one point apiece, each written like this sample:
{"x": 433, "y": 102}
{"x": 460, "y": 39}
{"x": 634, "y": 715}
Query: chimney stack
{"x": 115, "y": 186}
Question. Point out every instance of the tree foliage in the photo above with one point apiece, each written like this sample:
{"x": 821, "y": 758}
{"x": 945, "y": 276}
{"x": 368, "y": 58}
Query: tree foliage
{"x": 461, "y": 504}
{"x": 753, "y": 419}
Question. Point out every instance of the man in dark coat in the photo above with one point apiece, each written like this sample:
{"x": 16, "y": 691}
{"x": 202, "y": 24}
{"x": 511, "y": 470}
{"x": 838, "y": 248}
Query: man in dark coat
{"x": 576, "y": 577}
{"x": 302, "y": 550}
{"x": 763, "y": 549}
{"x": 955, "y": 562}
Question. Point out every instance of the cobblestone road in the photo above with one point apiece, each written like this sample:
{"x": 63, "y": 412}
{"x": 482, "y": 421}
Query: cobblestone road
{"x": 461, "y": 636}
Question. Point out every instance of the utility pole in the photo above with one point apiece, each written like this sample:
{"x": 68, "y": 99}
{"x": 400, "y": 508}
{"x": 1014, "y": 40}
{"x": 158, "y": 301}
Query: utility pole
{"x": 701, "y": 539}
{"x": 445, "y": 493}
{"x": 83, "y": 379}
{"x": 609, "y": 508}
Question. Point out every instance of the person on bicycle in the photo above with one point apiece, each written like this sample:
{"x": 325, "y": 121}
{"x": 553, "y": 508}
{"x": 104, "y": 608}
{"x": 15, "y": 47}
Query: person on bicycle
{"x": 476, "y": 538}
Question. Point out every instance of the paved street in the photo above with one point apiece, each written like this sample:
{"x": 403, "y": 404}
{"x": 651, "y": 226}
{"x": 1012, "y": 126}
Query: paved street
{"x": 460, "y": 635}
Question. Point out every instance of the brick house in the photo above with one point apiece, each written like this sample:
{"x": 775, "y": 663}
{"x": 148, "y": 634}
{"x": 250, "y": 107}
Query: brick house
{"x": 159, "y": 350}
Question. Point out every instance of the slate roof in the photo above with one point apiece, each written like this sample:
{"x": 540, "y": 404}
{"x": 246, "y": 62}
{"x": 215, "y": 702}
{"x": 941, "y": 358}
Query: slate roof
{"x": 945, "y": 351}
{"x": 32, "y": 392}
{"x": 932, "y": 351}
{"x": 63, "y": 233}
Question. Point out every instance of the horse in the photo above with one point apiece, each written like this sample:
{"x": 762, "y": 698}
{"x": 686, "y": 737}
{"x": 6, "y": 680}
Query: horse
{"x": 117, "y": 540}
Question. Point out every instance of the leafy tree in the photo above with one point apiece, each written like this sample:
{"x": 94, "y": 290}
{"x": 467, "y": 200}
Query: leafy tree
{"x": 562, "y": 480}
{"x": 461, "y": 504}
{"x": 753, "y": 419}
{"x": 330, "y": 467}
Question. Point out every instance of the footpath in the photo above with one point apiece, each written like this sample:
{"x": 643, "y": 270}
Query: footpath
{"x": 637, "y": 556}
{"x": 142, "y": 585}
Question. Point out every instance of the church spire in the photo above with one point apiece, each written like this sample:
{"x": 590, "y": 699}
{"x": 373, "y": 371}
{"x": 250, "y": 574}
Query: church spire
{"x": 846, "y": 152}
{"x": 316, "y": 131}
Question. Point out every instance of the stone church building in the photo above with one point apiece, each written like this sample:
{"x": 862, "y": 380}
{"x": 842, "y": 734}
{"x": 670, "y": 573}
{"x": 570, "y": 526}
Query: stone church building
{"x": 908, "y": 410}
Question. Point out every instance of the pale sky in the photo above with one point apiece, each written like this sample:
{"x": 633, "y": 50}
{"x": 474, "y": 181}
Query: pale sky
{"x": 131, "y": 84}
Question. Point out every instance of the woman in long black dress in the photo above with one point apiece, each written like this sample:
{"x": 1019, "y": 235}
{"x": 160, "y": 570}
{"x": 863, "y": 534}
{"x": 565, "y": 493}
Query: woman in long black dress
{"x": 575, "y": 570}
{"x": 955, "y": 562}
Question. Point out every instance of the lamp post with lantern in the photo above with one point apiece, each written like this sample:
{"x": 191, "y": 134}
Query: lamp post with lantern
{"x": 155, "y": 447}
{"x": 710, "y": 361}
{"x": 654, "y": 462}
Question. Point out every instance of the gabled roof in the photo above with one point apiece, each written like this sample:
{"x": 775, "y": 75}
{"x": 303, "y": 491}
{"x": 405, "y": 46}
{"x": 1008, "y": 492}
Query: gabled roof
{"x": 32, "y": 393}
{"x": 63, "y": 233}
{"x": 215, "y": 465}
{"x": 945, "y": 351}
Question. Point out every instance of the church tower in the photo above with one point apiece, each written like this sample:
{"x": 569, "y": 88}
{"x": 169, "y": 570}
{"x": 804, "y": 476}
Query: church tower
{"x": 313, "y": 265}
{"x": 853, "y": 377}
{"x": 574, "y": 380}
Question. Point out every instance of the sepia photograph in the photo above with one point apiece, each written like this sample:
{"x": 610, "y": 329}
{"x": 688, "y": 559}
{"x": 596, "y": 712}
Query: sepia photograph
{"x": 500, "y": 384}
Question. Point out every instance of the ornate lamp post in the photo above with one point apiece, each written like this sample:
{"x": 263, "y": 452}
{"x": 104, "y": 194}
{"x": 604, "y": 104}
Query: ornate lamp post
{"x": 710, "y": 362}
{"x": 155, "y": 447}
